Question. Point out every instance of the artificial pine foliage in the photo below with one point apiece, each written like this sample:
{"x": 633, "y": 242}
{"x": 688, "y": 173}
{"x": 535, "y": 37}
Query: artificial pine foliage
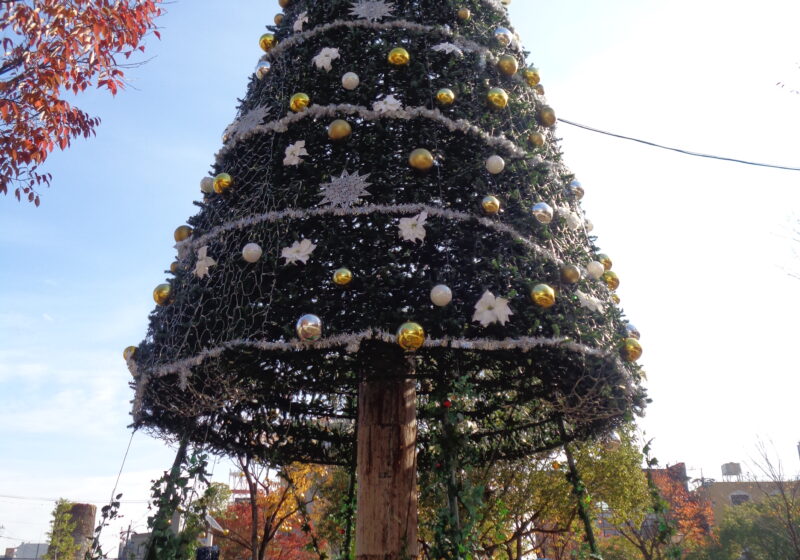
{"x": 222, "y": 363}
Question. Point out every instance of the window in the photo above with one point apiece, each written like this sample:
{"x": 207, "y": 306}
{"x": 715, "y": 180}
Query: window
{"x": 739, "y": 498}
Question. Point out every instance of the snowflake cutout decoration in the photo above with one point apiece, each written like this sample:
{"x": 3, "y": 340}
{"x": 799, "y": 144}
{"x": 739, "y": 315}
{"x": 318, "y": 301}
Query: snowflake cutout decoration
{"x": 325, "y": 57}
{"x": 245, "y": 123}
{"x": 299, "y": 251}
{"x": 298, "y": 23}
{"x": 491, "y": 309}
{"x": 372, "y": 10}
{"x": 345, "y": 190}
{"x": 294, "y": 153}
{"x": 590, "y": 302}
{"x": 448, "y": 48}
{"x": 204, "y": 262}
{"x": 413, "y": 229}
{"x": 573, "y": 219}
{"x": 390, "y": 104}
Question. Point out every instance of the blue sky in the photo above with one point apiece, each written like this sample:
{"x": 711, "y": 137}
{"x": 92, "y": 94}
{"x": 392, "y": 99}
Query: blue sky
{"x": 702, "y": 247}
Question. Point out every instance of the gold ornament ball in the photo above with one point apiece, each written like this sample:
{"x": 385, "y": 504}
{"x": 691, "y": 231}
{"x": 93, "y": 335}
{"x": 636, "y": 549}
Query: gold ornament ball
{"x": 182, "y": 233}
{"x": 268, "y": 41}
{"x": 631, "y": 350}
{"x": 605, "y": 260}
{"x": 284, "y": 3}
{"x": 611, "y": 279}
{"x": 508, "y": 65}
{"x": 128, "y": 353}
{"x": 299, "y": 102}
{"x": 410, "y": 336}
{"x": 222, "y": 183}
{"x": 531, "y": 76}
{"x": 490, "y": 204}
{"x": 278, "y": 19}
{"x": 537, "y": 139}
{"x": 342, "y": 277}
{"x": 547, "y": 117}
{"x": 339, "y": 129}
{"x": 421, "y": 159}
{"x": 445, "y": 97}
{"x": 309, "y": 328}
{"x": 162, "y": 294}
{"x": 498, "y": 98}
{"x": 571, "y": 274}
{"x": 174, "y": 267}
{"x": 398, "y": 56}
{"x": 464, "y": 14}
{"x": 615, "y": 298}
{"x": 543, "y": 295}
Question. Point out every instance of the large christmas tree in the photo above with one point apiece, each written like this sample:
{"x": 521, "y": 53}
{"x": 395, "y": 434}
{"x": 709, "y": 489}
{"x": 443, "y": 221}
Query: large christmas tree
{"x": 388, "y": 234}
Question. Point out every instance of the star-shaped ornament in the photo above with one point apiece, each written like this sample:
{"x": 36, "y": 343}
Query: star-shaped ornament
{"x": 299, "y": 251}
{"x": 298, "y": 23}
{"x": 294, "y": 153}
{"x": 325, "y": 58}
{"x": 204, "y": 262}
{"x": 372, "y": 10}
{"x": 344, "y": 191}
{"x": 491, "y": 309}
{"x": 245, "y": 123}
{"x": 413, "y": 229}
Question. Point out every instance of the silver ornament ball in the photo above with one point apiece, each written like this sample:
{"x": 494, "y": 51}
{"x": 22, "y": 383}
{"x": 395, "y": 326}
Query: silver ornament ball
{"x": 207, "y": 185}
{"x": 503, "y": 36}
{"x": 262, "y": 69}
{"x": 543, "y": 212}
{"x": 632, "y": 331}
{"x": 576, "y": 189}
{"x": 252, "y": 252}
{"x": 441, "y": 295}
{"x": 309, "y": 328}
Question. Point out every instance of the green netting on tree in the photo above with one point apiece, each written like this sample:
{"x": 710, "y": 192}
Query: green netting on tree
{"x": 222, "y": 359}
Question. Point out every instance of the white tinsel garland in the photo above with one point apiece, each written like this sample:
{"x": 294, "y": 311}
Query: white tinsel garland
{"x": 405, "y": 209}
{"x": 320, "y": 111}
{"x": 299, "y": 38}
{"x": 352, "y": 343}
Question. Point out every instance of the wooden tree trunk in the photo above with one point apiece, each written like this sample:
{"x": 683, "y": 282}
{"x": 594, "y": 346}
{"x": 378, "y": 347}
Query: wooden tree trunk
{"x": 386, "y": 520}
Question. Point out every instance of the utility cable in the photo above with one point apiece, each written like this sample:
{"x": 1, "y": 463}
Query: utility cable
{"x": 679, "y": 150}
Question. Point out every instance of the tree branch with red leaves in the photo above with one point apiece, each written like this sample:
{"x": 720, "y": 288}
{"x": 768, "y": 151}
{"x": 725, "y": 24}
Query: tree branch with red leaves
{"x": 52, "y": 47}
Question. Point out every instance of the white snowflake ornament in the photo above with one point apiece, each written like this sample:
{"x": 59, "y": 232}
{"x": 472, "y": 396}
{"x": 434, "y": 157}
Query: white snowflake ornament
{"x": 448, "y": 48}
{"x": 372, "y": 10}
{"x": 299, "y": 251}
{"x": 590, "y": 302}
{"x": 204, "y": 262}
{"x": 345, "y": 190}
{"x": 325, "y": 58}
{"x": 491, "y": 309}
{"x": 294, "y": 152}
{"x": 298, "y": 23}
{"x": 245, "y": 123}
{"x": 413, "y": 229}
{"x": 390, "y": 104}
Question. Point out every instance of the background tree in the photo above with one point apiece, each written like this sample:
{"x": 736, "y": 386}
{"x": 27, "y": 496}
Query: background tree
{"x": 54, "y": 48}
{"x": 274, "y": 521}
{"x": 62, "y": 544}
{"x": 673, "y": 523}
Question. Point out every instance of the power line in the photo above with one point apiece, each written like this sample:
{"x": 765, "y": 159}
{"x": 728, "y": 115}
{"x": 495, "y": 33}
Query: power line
{"x": 679, "y": 150}
{"x": 36, "y": 499}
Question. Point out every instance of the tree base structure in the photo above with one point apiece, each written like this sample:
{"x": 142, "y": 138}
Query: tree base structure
{"x": 386, "y": 526}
